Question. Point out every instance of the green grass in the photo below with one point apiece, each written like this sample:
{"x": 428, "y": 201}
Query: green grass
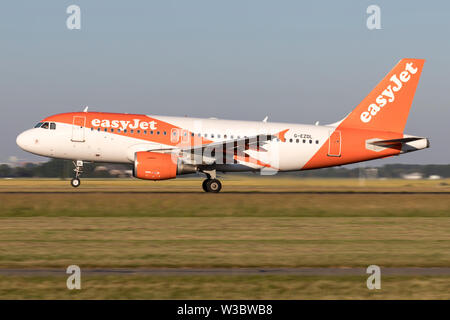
{"x": 223, "y": 242}
{"x": 224, "y": 205}
{"x": 255, "y": 197}
{"x": 267, "y": 222}
{"x": 224, "y": 287}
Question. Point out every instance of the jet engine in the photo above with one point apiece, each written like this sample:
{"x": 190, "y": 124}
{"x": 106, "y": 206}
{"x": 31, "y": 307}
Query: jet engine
{"x": 159, "y": 166}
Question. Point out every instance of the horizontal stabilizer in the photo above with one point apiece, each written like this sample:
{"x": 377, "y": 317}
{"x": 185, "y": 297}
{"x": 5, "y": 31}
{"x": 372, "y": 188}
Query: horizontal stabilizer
{"x": 386, "y": 143}
{"x": 406, "y": 144}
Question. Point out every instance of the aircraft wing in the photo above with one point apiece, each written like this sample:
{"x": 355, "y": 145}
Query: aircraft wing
{"x": 207, "y": 153}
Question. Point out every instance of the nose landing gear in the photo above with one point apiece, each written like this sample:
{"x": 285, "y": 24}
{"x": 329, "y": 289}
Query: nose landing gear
{"x": 75, "y": 182}
{"x": 211, "y": 184}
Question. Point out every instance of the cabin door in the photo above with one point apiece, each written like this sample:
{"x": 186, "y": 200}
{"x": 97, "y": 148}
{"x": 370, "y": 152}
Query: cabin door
{"x": 78, "y": 126}
{"x": 335, "y": 142}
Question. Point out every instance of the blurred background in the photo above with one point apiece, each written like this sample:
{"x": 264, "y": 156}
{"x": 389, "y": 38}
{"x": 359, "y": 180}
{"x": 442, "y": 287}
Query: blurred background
{"x": 289, "y": 60}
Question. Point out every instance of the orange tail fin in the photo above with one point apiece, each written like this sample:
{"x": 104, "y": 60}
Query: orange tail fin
{"x": 387, "y": 107}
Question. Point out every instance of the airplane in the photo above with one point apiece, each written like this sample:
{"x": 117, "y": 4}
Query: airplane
{"x": 162, "y": 147}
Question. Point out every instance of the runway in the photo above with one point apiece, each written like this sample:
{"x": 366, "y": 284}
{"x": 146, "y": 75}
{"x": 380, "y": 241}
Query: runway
{"x": 397, "y": 271}
{"x": 89, "y": 191}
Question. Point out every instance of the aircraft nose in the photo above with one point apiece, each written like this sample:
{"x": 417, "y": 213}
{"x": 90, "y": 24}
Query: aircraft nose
{"x": 23, "y": 140}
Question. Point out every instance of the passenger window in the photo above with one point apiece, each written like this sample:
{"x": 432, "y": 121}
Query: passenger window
{"x": 45, "y": 125}
{"x": 112, "y": 130}
{"x": 131, "y": 131}
{"x": 297, "y": 141}
{"x": 290, "y": 140}
{"x": 185, "y": 137}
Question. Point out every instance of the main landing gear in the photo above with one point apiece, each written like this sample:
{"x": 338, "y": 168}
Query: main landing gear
{"x": 75, "y": 182}
{"x": 211, "y": 184}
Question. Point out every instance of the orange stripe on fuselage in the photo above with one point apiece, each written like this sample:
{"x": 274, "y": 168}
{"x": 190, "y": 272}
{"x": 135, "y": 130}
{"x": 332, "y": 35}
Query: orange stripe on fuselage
{"x": 353, "y": 148}
{"x": 131, "y": 119}
{"x": 249, "y": 159}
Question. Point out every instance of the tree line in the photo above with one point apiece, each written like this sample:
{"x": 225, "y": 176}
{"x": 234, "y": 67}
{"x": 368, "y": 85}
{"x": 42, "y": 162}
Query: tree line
{"x": 57, "y": 168}
{"x": 54, "y": 168}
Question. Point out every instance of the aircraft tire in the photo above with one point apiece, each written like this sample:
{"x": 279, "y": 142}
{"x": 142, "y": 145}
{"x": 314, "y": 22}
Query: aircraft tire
{"x": 204, "y": 185}
{"x": 213, "y": 185}
{"x": 75, "y": 182}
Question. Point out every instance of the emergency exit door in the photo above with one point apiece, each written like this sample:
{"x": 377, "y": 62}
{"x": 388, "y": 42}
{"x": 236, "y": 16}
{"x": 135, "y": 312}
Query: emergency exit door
{"x": 78, "y": 128}
{"x": 335, "y": 143}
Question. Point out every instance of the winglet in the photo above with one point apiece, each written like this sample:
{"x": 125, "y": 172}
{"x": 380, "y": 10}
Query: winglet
{"x": 280, "y": 135}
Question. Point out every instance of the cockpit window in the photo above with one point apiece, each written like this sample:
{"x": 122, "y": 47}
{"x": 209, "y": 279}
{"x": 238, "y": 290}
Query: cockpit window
{"x": 45, "y": 125}
{"x": 38, "y": 125}
{"x": 52, "y": 126}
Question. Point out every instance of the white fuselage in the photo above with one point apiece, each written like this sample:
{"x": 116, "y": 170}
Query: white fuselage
{"x": 301, "y": 141}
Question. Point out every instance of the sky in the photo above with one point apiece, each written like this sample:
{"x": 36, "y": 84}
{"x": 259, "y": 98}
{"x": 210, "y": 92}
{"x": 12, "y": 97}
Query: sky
{"x": 293, "y": 61}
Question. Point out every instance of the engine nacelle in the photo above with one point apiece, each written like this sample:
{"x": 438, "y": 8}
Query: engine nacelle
{"x": 159, "y": 166}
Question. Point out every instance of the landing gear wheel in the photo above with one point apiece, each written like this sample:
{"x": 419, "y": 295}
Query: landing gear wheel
{"x": 75, "y": 182}
{"x": 204, "y": 185}
{"x": 213, "y": 185}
